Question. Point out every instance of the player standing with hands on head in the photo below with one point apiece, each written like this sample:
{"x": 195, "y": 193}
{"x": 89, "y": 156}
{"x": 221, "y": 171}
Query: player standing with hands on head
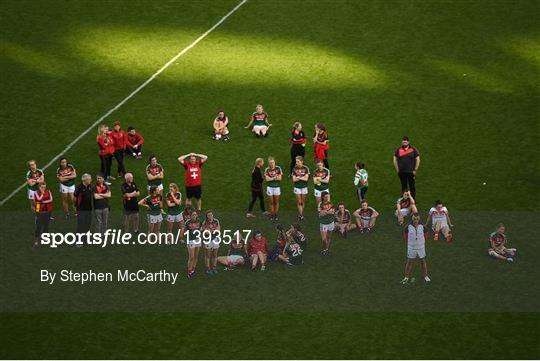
{"x": 326, "y": 217}
{"x": 259, "y": 121}
{"x": 416, "y": 235}
{"x": 34, "y": 176}
{"x": 300, "y": 177}
{"x": 298, "y": 147}
{"x": 272, "y": 175}
{"x": 66, "y": 174}
{"x": 406, "y": 163}
{"x": 193, "y": 169}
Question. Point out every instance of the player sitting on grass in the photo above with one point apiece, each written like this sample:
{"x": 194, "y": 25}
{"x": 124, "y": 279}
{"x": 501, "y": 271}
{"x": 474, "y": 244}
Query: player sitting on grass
{"x": 295, "y": 247}
{"x": 134, "y": 143}
{"x": 416, "y": 235}
{"x": 404, "y": 207}
{"x": 257, "y": 249}
{"x": 365, "y": 217}
{"x": 343, "y": 220}
{"x": 221, "y": 131}
{"x": 259, "y": 121}
{"x": 440, "y": 221}
{"x": 497, "y": 242}
{"x": 235, "y": 255}
{"x": 277, "y": 252}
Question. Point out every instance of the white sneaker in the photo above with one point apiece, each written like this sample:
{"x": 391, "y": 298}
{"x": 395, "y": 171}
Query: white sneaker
{"x": 510, "y": 259}
{"x": 427, "y": 279}
{"x": 404, "y": 281}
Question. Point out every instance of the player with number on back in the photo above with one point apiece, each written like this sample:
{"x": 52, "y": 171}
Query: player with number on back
{"x": 296, "y": 245}
{"x": 193, "y": 176}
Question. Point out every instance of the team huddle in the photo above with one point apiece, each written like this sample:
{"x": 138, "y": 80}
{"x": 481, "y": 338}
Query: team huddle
{"x": 91, "y": 201}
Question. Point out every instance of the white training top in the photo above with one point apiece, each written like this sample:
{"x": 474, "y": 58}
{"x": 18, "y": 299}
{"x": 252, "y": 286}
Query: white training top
{"x": 438, "y": 216}
{"x": 415, "y": 237}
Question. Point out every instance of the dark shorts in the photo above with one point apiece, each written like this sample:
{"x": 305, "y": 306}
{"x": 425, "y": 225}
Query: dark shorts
{"x": 129, "y": 212}
{"x": 194, "y": 192}
{"x": 274, "y": 254}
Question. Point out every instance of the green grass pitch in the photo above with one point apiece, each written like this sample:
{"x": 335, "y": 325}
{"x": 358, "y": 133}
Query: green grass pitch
{"x": 459, "y": 77}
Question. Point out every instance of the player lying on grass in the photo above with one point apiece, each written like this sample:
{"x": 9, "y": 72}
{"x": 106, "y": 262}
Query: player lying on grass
{"x": 154, "y": 174}
{"x": 221, "y": 131}
{"x": 66, "y": 175}
{"x": 210, "y": 228}
{"x": 257, "y": 249}
{"x": 235, "y": 255}
{"x": 134, "y": 143}
{"x": 34, "y": 176}
{"x": 272, "y": 176}
{"x": 326, "y": 219}
{"x": 321, "y": 179}
{"x": 259, "y": 121}
{"x": 174, "y": 208}
{"x": 497, "y": 243}
{"x": 191, "y": 227}
{"x": 405, "y": 206}
{"x": 365, "y": 217}
{"x": 343, "y": 220}
{"x": 440, "y": 221}
{"x": 415, "y": 234}
{"x": 300, "y": 178}
{"x": 154, "y": 204}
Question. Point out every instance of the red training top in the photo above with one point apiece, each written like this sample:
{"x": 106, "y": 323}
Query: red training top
{"x": 193, "y": 173}
{"x": 255, "y": 246}
{"x": 134, "y": 139}
{"x": 119, "y": 139}
{"x": 39, "y": 198}
{"x": 105, "y": 144}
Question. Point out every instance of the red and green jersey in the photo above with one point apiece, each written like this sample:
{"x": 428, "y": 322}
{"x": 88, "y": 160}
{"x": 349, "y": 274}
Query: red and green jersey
{"x": 177, "y": 209}
{"x": 34, "y": 174}
{"x": 65, "y": 172}
{"x": 273, "y": 172}
{"x": 210, "y": 226}
{"x": 343, "y": 218}
{"x": 361, "y": 178}
{"x": 327, "y": 218}
{"x": 294, "y": 251}
{"x": 154, "y": 204}
{"x": 154, "y": 170}
{"x": 498, "y": 239}
{"x": 300, "y": 172}
{"x": 259, "y": 119}
{"x": 404, "y": 203}
{"x": 323, "y": 174}
{"x": 237, "y": 249}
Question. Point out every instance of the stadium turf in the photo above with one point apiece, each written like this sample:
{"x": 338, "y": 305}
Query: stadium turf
{"x": 460, "y": 78}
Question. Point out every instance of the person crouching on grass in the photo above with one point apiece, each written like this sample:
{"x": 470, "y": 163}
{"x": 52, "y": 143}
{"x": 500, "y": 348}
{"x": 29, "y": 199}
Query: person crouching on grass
{"x": 134, "y": 143}
{"x": 192, "y": 229}
{"x": 405, "y": 206}
{"x": 326, "y": 218}
{"x": 154, "y": 204}
{"x": 66, "y": 175}
{"x": 497, "y": 243}
{"x": 257, "y": 249}
{"x": 300, "y": 178}
{"x": 438, "y": 216}
{"x": 365, "y": 217}
{"x": 259, "y": 121}
{"x": 221, "y": 131}
{"x": 343, "y": 220}
{"x": 211, "y": 225}
{"x": 235, "y": 255}
{"x": 416, "y": 235}
{"x": 43, "y": 208}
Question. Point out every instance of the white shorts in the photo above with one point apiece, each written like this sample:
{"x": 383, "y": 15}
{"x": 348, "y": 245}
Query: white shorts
{"x": 154, "y": 219}
{"x": 173, "y": 218}
{"x": 67, "y": 189}
{"x": 364, "y": 222}
{"x": 193, "y": 243}
{"x": 259, "y": 128}
{"x": 273, "y": 191}
{"x": 159, "y": 188}
{"x": 234, "y": 258}
{"x": 213, "y": 244}
{"x": 300, "y": 190}
{"x": 30, "y": 194}
{"x": 416, "y": 253}
{"x": 404, "y": 212}
{"x": 327, "y": 227}
{"x": 318, "y": 193}
{"x": 442, "y": 225}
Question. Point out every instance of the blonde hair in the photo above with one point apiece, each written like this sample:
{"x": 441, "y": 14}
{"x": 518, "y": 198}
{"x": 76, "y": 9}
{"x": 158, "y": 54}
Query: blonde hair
{"x": 259, "y": 160}
{"x": 173, "y": 185}
{"x": 101, "y": 130}
{"x": 29, "y": 162}
{"x": 270, "y": 158}
{"x": 300, "y": 158}
{"x": 296, "y": 125}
